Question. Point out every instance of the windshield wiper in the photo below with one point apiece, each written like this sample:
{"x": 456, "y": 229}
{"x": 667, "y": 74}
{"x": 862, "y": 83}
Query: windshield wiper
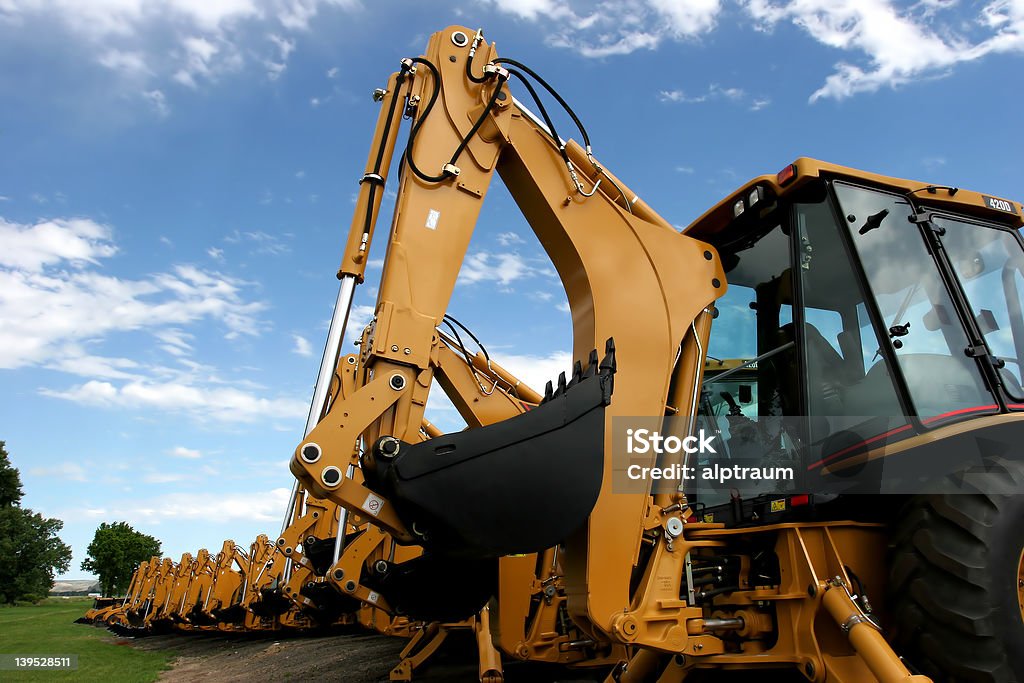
{"x": 895, "y": 329}
{"x": 873, "y": 221}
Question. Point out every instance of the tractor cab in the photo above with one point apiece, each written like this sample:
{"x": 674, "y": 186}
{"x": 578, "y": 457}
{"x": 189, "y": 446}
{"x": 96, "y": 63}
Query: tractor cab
{"x": 874, "y": 315}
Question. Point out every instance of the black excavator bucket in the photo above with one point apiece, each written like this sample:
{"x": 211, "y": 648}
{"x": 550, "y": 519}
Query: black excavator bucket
{"x": 136, "y": 618}
{"x": 422, "y": 589}
{"x": 320, "y": 553}
{"x": 235, "y": 614}
{"x": 462, "y": 494}
{"x": 271, "y": 603}
{"x": 329, "y": 603}
{"x": 198, "y": 617}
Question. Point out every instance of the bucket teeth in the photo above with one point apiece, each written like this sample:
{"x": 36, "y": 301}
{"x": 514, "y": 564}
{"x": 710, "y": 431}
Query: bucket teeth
{"x": 560, "y": 389}
{"x": 608, "y": 363}
{"x": 577, "y": 374}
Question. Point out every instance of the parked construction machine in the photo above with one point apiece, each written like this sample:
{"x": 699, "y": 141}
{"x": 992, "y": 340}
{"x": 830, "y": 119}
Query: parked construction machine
{"x": 848, "y": 347}
{"x": 878, "y": 328}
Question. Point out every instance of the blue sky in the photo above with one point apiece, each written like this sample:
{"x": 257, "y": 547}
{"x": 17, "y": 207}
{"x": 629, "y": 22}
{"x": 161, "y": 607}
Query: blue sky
{"x": 177, "y": 177}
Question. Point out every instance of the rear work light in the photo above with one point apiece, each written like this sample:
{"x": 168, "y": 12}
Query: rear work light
{"x": 756, "y": 195}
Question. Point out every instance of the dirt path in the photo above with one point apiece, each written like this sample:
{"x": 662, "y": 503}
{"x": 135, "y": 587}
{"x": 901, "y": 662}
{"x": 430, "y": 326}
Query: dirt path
{"x": 348, "y": 657}
{"x": 219, "y": 658}
{"x": 357, "y": 657}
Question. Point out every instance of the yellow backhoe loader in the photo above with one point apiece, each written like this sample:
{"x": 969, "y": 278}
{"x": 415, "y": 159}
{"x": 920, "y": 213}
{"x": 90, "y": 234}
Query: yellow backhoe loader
{"x": 169, "y": 612}
{"x": 870, "y": 448}
{"x": 103, "y": 613}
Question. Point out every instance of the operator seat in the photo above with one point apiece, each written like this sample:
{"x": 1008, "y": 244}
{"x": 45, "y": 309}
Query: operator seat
{"x": 825, "y": 373}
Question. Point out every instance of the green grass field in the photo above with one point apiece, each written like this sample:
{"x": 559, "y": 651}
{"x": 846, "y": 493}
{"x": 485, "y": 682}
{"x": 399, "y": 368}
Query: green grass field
{"x": 48, "y": 629}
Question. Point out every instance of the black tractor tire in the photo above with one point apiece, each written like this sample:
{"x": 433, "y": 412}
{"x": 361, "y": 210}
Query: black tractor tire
{"x": 954, "y": 585}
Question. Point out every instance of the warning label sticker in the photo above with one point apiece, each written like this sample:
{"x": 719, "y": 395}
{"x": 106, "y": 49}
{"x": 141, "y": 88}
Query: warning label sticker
{"x": 373, "y": 504}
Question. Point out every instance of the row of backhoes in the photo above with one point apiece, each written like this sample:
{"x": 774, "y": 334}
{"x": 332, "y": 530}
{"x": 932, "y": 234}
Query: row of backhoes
{"x": 307, "y": 580}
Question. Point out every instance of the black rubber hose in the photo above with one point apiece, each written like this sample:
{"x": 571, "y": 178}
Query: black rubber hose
{"x": 554, "y": 93}
{"x": 414, "y": 129}
{"x": 483, "y": 349}
{"x": 423, "y": 117}
{"x": 380, "y": 154}
{"x": 469, "y": 71}
{"x": 458, "y": 340}
{"x": 479, "y": 122}
{"x": 540, "y": 105}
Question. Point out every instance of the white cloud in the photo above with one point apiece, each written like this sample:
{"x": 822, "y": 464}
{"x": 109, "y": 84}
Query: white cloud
{"x": 190, "y": 42}
{"x": 509, "y": 238}
{"x": 284, "y": 47}
{"x": 713, "y": 92}
{"x": 74, "y": 360}
{"x": 69, "y": 471}
{"x": 886, "y": 44}
{"x": 503, "y": 268}
{"x": 535, "y": 371}
{"x": 199, "y": 400}
{"x": 202, "y": 505}
{"x": 127, "y": 62}
{"x": 215, "y": 253}
{"x": 533, "y": 9}
{"x": 358, "y": 318}
{"x": 302, "y": 346}
{"x": 689, "y": 18}
{"x": 898, "y": 44}
{"x": 182, "y": 452}
{"x": 606, "y": 29}
{"x": 265, "y": 243}
{"x": 158, "y": 100}
{"x": 174, "y": 341}
{"x": 54, "y": 296}
{"x": 333, "y": 72}
{"x": 76, "y": 240}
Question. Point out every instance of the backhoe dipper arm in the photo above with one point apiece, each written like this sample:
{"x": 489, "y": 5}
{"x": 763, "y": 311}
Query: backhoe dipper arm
{"x": 627, "y": 273}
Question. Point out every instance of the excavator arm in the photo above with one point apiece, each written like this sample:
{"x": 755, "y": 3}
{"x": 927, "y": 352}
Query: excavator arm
{"x": 622, "y": 269}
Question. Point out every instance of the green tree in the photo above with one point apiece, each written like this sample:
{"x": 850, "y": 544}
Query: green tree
{"x": 30, "y": 550}
{"x": 10, "y": 480}
{"x": 114, "y": 554}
